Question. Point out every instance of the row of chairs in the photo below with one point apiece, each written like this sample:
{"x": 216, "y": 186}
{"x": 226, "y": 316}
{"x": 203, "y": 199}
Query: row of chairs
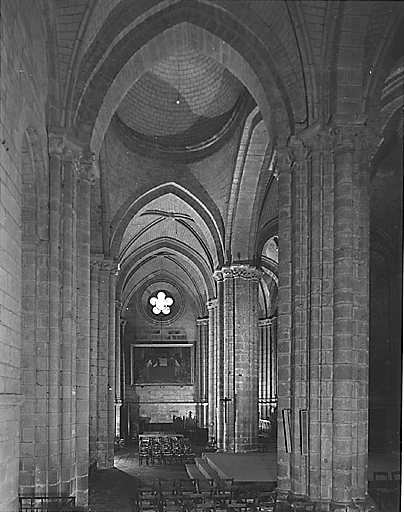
{"x": 47, "y": 503}
{"x": 165, "y": 450}
{"x": 216, "y": 495}
{"x": 185, "y": 495}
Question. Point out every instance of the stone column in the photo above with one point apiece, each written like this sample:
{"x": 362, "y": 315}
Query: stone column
{"x": 86, "y": 177}
{"x": 54, "y": 440}
{"x": 323, "y": 315}
{"x": 118, "y": 387}
{"x": 300, "y": 183}
{"x": 124, "y": 408}
{"x": 343, "y": 410}
{"x": 267, "y": 369}
{"x": 106, "y": 363}
{"x": 211, "y": 306}
{"x": 70, "y": 159}
{"x": 95, "y": 267}
{"x": 273, "y": 365}
{"x": 239, "y": 398}
{"x": 113, "y": 271}
{"x": 246, "y": 336}
{"x": 39, "y": 442}
{"x": 227, "y": 398}
{"x": 219, "y": 363}
{"x": 283, "y": 170}
{"x": 320, "y": 314}
{"x": 201, "y": 370}
{"x": 103, "y": 364}
{"x": 352, "y": 146}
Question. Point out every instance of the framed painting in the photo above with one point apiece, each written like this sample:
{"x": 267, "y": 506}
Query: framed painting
{"x": 162, "y": 364}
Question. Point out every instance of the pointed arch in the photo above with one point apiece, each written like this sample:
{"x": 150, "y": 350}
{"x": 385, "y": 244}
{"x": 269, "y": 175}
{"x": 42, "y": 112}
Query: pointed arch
{"x": 184, "y": 266}
{"x": 208, "y": 214}
{"x": 54, "y": 100}
{"x": 250, "y": 181}
{"x": 248, "y": 59}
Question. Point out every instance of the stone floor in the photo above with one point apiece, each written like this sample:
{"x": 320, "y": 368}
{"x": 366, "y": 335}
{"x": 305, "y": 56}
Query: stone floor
{"x": 112, "y": 490}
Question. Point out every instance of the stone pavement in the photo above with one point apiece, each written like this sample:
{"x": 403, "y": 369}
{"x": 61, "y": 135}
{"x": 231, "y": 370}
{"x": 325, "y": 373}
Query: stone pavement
{"x": 113, "y": 490}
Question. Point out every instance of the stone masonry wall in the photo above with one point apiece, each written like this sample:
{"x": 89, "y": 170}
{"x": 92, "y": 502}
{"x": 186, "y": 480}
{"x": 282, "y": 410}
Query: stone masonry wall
{"x": 161, "y": 403}
{"x": 23, "y": 91}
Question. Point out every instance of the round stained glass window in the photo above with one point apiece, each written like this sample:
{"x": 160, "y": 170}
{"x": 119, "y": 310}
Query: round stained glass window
{"x": 161, "y": 303}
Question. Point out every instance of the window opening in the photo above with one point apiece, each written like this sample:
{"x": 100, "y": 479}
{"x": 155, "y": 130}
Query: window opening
{"x": 161, "y": 303}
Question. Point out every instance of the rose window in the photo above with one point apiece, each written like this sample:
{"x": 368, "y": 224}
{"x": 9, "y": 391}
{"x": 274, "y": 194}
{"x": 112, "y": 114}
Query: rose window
{"x": 161, "y": 303}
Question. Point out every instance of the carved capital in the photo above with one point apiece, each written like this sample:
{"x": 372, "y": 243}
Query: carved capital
{"x": 297, "y": 149}
{"x": 314, "y": 138}
{"x": 242, "y": 272}
{"x": 345, "y": 135}
{"x": 89, "y": 170}
{"x": 227, "y": 273}
{"x": 211, "y": 304}
{"x": 321, "y": 141}
{"x": 265, "y": 322}
{"x": 110, "y": 266}
{"x": 218, "y": 275}
{"x": 282, "y": 161}
{"x": 368, "y": 140}
{"x": 55, "y": 143}
{"x": 95, "y": 264}
{"x": 202, "y": 321}
{"x": 356, "y": 137}
{"x": 72, "y": 152}
{"x": 317, "y": 138}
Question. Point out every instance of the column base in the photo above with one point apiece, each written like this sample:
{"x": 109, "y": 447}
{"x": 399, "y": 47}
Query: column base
{"x": 246, "y": 445}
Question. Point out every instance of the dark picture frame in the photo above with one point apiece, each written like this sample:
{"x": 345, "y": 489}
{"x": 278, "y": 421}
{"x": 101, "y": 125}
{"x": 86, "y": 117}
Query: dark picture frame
{"x": 161, "y": 363}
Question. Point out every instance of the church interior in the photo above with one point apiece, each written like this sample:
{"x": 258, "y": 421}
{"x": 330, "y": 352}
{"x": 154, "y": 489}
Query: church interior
{"x": 201, "y": 215}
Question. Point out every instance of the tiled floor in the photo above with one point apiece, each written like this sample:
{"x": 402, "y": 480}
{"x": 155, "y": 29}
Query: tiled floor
{"x": 112, "y": 490}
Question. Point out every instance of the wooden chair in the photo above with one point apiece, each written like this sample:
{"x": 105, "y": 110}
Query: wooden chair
{"x": 170, "y": 503}
{"x": 145, "y": 500}
{"x": 283, "y": 506}
{"x": 241, "y": 507}
{"x": 396, "y": 476}
{"x": 206, "y": 485}
{"x": 189, "y": 458}
{"x": 382, "y": 492}
{"x": 187, "y": 487}
{"x": 156, "y": 455}
{"x": 266, "y": 501}
{"x": 143, "y": 456}
{"x": 167, "y": 456}
{"x": 226, "y": 490}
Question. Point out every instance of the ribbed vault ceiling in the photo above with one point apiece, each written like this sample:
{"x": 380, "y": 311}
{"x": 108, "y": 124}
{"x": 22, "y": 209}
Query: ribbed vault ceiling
{"x": 167, "y": 240}
{"x": 168, "y": 217}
